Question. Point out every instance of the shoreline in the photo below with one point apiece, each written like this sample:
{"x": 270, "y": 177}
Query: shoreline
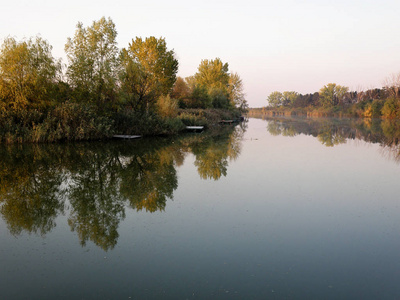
{"x": 74, "y": 122}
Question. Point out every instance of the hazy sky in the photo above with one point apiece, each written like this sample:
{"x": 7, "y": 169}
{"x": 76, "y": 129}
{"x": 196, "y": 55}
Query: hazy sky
{"x": 279, "y": 45}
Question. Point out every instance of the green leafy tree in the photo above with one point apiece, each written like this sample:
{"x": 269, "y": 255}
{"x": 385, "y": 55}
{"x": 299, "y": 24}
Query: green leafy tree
{"x": 28, "y": 73}
{"x": 236, "y": 94}
{"x": 332, "y": 94}
{"x": 148, "y": 72}
{"x": 219, "y": 98}
{"x": 391, "y": 108}
{"x": 93, "y": 62}
{"x": 199, "y": 97}
{"x": 289, "y": 98}
{"x": 275, "y": 99}
{"x": 213, "y": 74}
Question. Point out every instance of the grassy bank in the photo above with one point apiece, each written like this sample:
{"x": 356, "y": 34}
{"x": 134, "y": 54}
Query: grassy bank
{"x": 76, "y": 122}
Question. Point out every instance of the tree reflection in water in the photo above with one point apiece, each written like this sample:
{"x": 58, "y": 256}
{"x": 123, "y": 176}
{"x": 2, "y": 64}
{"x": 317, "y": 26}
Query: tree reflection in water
{"x": 212, "y": 154}
{"x": 97, "y": 181}
{"x": 331, "y": 132}
{"x": 31, "y": 190}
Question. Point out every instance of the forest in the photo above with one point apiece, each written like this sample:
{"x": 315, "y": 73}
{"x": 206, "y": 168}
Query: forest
{"x": 103, "y": 90}
{"x": 336, "y": 100}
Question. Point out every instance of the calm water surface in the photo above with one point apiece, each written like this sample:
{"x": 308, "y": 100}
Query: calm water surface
{"x": 271, "y": 209}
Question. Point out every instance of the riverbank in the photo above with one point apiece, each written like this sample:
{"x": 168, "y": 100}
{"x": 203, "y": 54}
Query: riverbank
{"x": 76, "y": 122}
{"x": 384, "y": 107}
{"x": 306, "y": 112}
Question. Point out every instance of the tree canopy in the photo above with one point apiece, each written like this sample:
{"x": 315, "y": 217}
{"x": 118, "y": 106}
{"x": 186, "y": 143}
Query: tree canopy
{"x": 332, "y": 94}
{"x": 92, "y": 55}
{"x": 104, "y": 89}
{"x": 148, "y": 71}
{"x": 27, "y": 73}
{"x": 213, "y": 87}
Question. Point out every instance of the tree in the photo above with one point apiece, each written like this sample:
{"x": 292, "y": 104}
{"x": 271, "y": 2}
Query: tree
{"x": 236, "y": 94}
{"x": 391, "y": 108}
{"x": 224, "y": 90}
{"x": 219, "y": 98}
{"x": 392, "y": 85}
{"x": 332, "y": 94}
{"x": 180, "y": 89}
{"x": 289, "y": 98}
{"x": 28, "y": 73}
{"x": 93, "y": 62}
{"x": 213, "y": 74}
{"x": 275, "y": 99}
{"x": 148, "y": 72}
{"x": 167, "y": 107}
{"x": 214, "y": 77}
{"x": 199, "y": 98}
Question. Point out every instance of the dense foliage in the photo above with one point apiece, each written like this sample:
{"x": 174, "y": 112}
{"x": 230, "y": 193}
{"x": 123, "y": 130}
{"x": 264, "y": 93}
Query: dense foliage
{"x": 336, "y": 100}
{"x": 104, "y": 90}
{"x": 211, "y": 87}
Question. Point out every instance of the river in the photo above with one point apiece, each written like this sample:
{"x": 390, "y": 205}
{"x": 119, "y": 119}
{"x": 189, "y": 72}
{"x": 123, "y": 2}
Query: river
{"x": 268, "y": 209}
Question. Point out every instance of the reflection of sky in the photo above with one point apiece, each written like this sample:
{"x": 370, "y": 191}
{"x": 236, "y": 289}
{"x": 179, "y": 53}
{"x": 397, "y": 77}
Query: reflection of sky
{"x": 292, "y": 219}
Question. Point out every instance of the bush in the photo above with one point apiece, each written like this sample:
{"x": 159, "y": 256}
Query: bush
{"x": 68, "y": 121}
{"x": 72, "y": 121}
{"x": 390, "y": 108}
{"x": 130, "y": 122}
{"x": 167, "y": 107}
{"x": 191, "y": 119}
{"x": 373, "y": 109}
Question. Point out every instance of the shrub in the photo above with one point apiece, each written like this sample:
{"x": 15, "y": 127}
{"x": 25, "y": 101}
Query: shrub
{"x": 167, "y": 107}
{"x": 191, "y": 119}
{"x": 68, "y": 121}
{"x": 390, "y": 108}
{"x": 130, "y": 122}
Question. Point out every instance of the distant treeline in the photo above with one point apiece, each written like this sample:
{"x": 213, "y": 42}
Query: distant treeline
{"x": 334, "y": 131}
{"x": 336, "y": 100}
{"x": 103, "y": 89}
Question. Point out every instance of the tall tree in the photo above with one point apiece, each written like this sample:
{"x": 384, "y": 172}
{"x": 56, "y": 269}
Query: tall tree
{"x": 148, "y": 72}
{"x": 213, "y": 74}
{"x": 180, "y": 89}
{"x": 289, "y": 97}
{"x": 28, "y": 72}
{"x": 275, "y": 99}
{"x": 93, "y": 62}
{"x": 332, "y": 94}
{"x": 236, "y": 93}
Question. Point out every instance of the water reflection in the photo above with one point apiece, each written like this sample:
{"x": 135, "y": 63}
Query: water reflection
{"x": 331, "y": 132}
{"x": 93, "y": 183}
{"x": 31, "y": 188}
{"x": 212, "y": 154}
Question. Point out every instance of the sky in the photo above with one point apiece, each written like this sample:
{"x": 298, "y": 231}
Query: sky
{"x": 285, "y": 45}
